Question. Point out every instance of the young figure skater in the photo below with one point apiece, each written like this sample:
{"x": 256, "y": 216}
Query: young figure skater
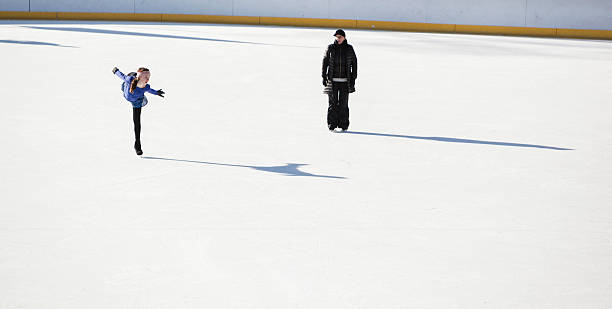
{"x": 134, "y": 87}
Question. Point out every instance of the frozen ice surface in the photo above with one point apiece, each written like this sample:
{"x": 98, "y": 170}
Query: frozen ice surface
{"x": 476, "y": 173}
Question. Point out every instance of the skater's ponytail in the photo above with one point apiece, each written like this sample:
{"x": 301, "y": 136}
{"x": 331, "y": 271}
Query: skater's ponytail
{"x": 133, "y": 84}
{"x": 135, "y": 80}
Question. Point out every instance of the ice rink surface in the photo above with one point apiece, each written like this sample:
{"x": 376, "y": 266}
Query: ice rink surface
{"x": 476, "y": 171}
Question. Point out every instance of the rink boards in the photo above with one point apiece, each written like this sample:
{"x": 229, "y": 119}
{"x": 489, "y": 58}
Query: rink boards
{"x": 317, "y": 22}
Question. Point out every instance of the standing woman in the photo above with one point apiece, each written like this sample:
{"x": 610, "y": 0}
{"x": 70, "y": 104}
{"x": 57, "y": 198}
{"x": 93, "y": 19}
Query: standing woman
{"x": 134, "y": 87}
{"x": 339, "y": 74}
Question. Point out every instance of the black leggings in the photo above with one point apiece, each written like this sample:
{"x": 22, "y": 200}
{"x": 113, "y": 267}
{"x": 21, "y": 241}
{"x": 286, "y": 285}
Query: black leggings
{"x": 338, "y": 110}
{"x": 136, "y": 117}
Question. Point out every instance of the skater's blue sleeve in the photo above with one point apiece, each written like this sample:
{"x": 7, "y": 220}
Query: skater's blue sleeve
{"x": 150, "y": 90}
{"x": 121, "y": 75}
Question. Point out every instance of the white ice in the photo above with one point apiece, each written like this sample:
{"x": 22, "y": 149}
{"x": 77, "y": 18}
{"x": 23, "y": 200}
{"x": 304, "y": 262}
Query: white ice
{"x": 476, "y": 173}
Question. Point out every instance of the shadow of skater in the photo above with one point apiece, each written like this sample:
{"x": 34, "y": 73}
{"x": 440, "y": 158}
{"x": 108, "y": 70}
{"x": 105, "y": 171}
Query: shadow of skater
{"x": 457, "y": 140}
{"x": 34, "y": 43}
{"x": 289, "y": 169}
{"x": 152, "y": 35}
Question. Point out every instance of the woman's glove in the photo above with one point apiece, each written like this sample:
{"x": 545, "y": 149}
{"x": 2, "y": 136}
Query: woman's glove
{"x": 160, "y": 93}
{"x": 115, "y": 69}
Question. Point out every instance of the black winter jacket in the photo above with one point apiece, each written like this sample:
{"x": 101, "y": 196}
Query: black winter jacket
{"x": 340, "y": 61}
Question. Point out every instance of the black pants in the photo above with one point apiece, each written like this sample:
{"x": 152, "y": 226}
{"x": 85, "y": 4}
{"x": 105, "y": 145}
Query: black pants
{"x": 338, "y": 111}
{"x": 136, "y": 117}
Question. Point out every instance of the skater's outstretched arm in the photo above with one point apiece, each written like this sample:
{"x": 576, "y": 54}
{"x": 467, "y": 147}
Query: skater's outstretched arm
{"x": 155, "y": 92}
{"x": 119, "y": 74}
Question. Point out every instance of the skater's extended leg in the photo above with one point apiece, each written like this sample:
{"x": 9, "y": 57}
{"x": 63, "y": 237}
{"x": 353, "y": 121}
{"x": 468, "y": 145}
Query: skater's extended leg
{"x": 136, "y": 118}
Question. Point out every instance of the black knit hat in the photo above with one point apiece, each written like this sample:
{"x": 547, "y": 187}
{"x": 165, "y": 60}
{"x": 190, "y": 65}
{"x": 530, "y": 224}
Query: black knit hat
{"x": 340, "y": 32}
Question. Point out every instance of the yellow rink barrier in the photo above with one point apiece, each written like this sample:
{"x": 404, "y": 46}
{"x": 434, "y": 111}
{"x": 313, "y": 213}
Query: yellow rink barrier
{"x": 316, "y": 22}
{"x": 109, "y": 16}
{"x": 403, "y": 26}
{"x": 500, "y": 30}
{"x": 584, "y": 34}
{"x": 210, "y": 19}
{"x": 28, "y": 15}
{"x": 309, "y": 22}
